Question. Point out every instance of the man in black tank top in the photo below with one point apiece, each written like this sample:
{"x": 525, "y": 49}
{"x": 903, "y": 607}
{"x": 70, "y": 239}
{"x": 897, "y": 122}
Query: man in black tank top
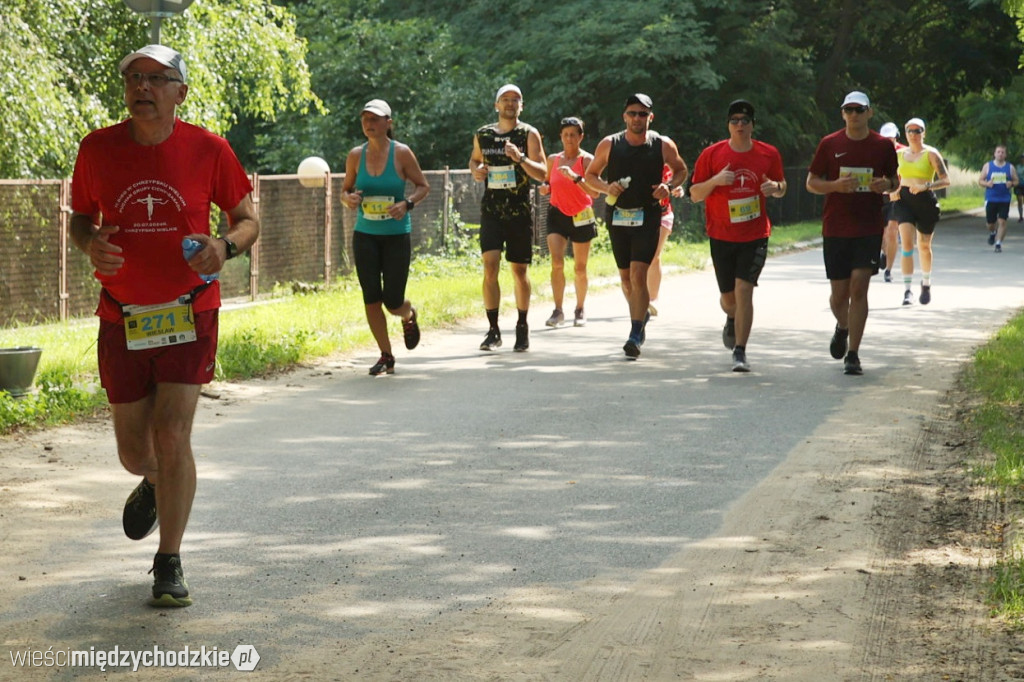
{"x": 506, "y": 155}
{"x": 633, "y": 161}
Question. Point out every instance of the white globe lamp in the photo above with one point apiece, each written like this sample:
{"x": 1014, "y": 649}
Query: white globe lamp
{"x": 312, "y": 170}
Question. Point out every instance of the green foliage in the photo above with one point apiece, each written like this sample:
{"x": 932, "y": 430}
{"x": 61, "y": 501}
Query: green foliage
{"x": 60, "y": 399}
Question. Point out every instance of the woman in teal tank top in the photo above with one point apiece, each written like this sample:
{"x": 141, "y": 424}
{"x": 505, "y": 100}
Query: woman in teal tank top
{"x": 376, "y": 174}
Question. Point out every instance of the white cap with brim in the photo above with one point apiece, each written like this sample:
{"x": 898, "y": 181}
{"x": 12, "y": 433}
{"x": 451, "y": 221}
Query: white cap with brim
{"x": 890, "y": 130}
{"x": 170, "y": 58}
{"x": 915, "y": 122}
{"x": 379, "y": 107}
{"x": 508, "y": 88}
{"x": 856, "y": 97}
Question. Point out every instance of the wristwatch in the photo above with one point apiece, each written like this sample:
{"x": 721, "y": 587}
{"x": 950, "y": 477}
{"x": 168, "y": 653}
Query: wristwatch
{"x": 232, "y": 249}
{"x": 409, "y": 205}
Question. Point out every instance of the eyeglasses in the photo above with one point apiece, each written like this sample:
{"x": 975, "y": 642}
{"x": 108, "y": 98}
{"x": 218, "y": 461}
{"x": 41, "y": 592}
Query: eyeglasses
{"x": 634, "y": 114}
{"x": 739, "y": 120}
{"x": 915, "y": 131}
{"x": 854, "y": 110}
{"x": 156, "y": 80}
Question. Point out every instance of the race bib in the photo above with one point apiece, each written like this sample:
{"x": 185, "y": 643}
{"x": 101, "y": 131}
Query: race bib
{"x": 628, "y": 217}
{"x": 161, "y": 324}
{"x": 376, "y": 208}
{"x": 584, "y": 217}
{"x": 743, "y": 210}
{"x": 863, "y": 176}
{"x": 998, "y": 178}
{"x": 501, "y": 177}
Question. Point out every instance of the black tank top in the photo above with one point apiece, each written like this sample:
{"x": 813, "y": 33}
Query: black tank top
{"x": 505, "y": 203}
{"x": 642, "y": 163}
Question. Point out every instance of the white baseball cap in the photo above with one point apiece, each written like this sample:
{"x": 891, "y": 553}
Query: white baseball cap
{"x": 379, "y": 107}
{"x": 508, "y": 87}
{"x": 890, "y": 130}
{"x": 856, "y": 97}
{"x": 170, "y": 58}
{"x": 915, "y": 122}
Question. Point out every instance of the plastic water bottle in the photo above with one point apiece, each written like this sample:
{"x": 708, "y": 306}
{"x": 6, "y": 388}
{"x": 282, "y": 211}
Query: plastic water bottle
{"x": 189, "y": 248}
{"x": 610, "y": 201}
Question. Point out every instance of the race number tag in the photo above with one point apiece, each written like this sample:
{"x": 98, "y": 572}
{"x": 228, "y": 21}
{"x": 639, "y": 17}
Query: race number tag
{"x": 161, "y": 324}
{"x": 998, "y": 178}
{"x": 743, "y": 210}
{"x": 584, "y": 217}
{"x": 501, "y": 177}
{"x": 376, "y": 208}
{"x": 628, "y": 217}
{"x": 863, "y": 176}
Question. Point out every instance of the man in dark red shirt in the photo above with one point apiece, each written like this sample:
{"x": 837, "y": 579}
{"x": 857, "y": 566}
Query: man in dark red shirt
{"x": 853, "y": 168}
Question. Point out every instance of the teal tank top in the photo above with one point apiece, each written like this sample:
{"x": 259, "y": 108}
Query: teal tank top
{"x": 379, "y": 192}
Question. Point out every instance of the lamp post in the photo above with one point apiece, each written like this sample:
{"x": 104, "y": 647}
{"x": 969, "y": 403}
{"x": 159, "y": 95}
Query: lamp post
{"x": 157, "y": 11}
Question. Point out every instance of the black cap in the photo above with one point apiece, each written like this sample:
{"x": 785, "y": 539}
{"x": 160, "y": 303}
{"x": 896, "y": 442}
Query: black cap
{"x": 641, "y": 99}
{"x": 741, "y": 106}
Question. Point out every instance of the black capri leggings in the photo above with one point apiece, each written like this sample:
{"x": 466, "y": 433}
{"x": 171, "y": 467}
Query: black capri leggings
{"x": 382, "y": 265}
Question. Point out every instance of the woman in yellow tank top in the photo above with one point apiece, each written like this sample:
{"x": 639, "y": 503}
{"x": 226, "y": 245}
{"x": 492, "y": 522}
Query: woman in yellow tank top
{"x": 922, "y": 170}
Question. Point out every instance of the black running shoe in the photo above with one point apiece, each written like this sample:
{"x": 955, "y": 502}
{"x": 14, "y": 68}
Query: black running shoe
{"x": 522, "y": 338}
{"x": 739, "y": 360}
{"x": 729, "y": 333}
{"x": 169, "y": 586}
{"x": 991, "y": 238}
{"x": 139, "y": 517}
{"x": 492, "y": 340}
{"x": 837, "y": 347}
{"x": 926, "y": 294}
{"x": 852, "y": 364}
{"x": 632, "y": 347}
{"x": 386, "y": 364}
{"x": 411, "y": 331}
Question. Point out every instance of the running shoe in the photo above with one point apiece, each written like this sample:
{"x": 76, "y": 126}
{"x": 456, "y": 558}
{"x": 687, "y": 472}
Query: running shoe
{"x": 651, "y": 310}
{"x": 492, "y": 340}
{"x": 926, "y": 294}
{"x": 386, "y": 364}
{"x": 729, "y": 333}
{"x": 999, "y": 248}
{"x": 908, "y": 297}
{"x": 837, "y": 347}
{"x": 139, "y": 517}
{"x": 411, "y": 331}
{"x": 632, "y": 347}
{"x": 882, "y": 261}
{"x": 991, "y": 238}
{"x": 888, "y": 275}
{"x": 739, "y": 360}
{"x": 852, "y": 364}
{"x": 579, "y": 319}
{"x": 169, "y": 586}
{"x": 556, "y": 318}
{"x": 522, "y": 338}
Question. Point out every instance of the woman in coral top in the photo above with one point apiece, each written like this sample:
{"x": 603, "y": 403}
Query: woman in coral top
{"x": 570, "y": 216}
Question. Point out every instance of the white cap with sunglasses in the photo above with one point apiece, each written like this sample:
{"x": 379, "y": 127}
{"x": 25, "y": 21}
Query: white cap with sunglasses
{"x": 914, "y": 122}
{"x": 856, "y": 98}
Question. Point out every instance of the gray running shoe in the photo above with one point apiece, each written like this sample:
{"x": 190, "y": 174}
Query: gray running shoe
{"x": 729, "y": 333}
{"x": 579, "y": 319}
{"x": 926, "y": 294}
{"x": 556, "y": 318}
{"x": 739, "y": 360}
{"x": 632, "y": 347}
{"x": 908, "y": 297}
{"x": 169, "y": 586}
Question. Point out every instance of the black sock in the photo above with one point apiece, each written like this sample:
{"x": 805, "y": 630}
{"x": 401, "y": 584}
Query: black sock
{"x": 522, "y": 318}
{"x": 492, "y": 318}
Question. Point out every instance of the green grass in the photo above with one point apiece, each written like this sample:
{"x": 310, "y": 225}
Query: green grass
{"x": 962, "y": 198}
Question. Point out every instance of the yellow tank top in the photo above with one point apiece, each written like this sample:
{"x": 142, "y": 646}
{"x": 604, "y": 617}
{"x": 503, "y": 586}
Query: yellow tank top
{"x": 921, "y": 169}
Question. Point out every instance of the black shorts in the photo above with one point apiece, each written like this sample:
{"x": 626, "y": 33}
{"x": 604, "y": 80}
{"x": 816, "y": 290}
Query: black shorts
{"x": 382, "y": 265}
{"x": 514, "y": 236}
{"x": 996, "y": 209}
{"x": 920, "y": 210}
{"x": 843, "y": 255}
{"x": 738, "y": 260}
{"x": 1018, "y": 190}
{"x": 638, "y": 243}
{"x": 559, "y": 223}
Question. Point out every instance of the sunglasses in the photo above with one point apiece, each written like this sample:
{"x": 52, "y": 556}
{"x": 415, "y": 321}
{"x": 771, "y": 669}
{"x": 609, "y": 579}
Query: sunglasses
{"x": 854, "y": 110}
{"x": 915, "y": 131}
{"x": 641, "y": 114}
{"x": 739, "y": 120}
{"x": 572, "y": 121}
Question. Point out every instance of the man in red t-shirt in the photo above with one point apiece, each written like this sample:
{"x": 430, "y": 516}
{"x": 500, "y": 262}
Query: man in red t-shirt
{"x": 732, "y": 178}
{"x": 853, "y": 168}
{"x": 140, "y": 188}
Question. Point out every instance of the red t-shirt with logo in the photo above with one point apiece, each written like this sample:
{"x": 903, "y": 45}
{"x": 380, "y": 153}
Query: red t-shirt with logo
{"x": 737, "y": 213}
{"x": 855, "y": 214}
{"x": 156, "y": 195}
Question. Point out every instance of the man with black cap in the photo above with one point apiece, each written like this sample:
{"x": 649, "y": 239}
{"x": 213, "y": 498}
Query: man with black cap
{"x": 506, "y": 155}
{"x": 733, "y": 177}
{"x": 633, "y": 161}
{"x": 140, "y": 188}
{"x": 853, "y": 168}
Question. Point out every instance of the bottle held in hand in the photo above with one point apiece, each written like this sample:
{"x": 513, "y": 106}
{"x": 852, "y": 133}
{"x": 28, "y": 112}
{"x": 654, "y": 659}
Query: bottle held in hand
{"x": 610, "y": 200}
{"x": 189, "y": 248}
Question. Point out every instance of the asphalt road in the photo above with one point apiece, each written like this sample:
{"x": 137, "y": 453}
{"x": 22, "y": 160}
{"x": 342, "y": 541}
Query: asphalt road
{"x": 333, "y": 505}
